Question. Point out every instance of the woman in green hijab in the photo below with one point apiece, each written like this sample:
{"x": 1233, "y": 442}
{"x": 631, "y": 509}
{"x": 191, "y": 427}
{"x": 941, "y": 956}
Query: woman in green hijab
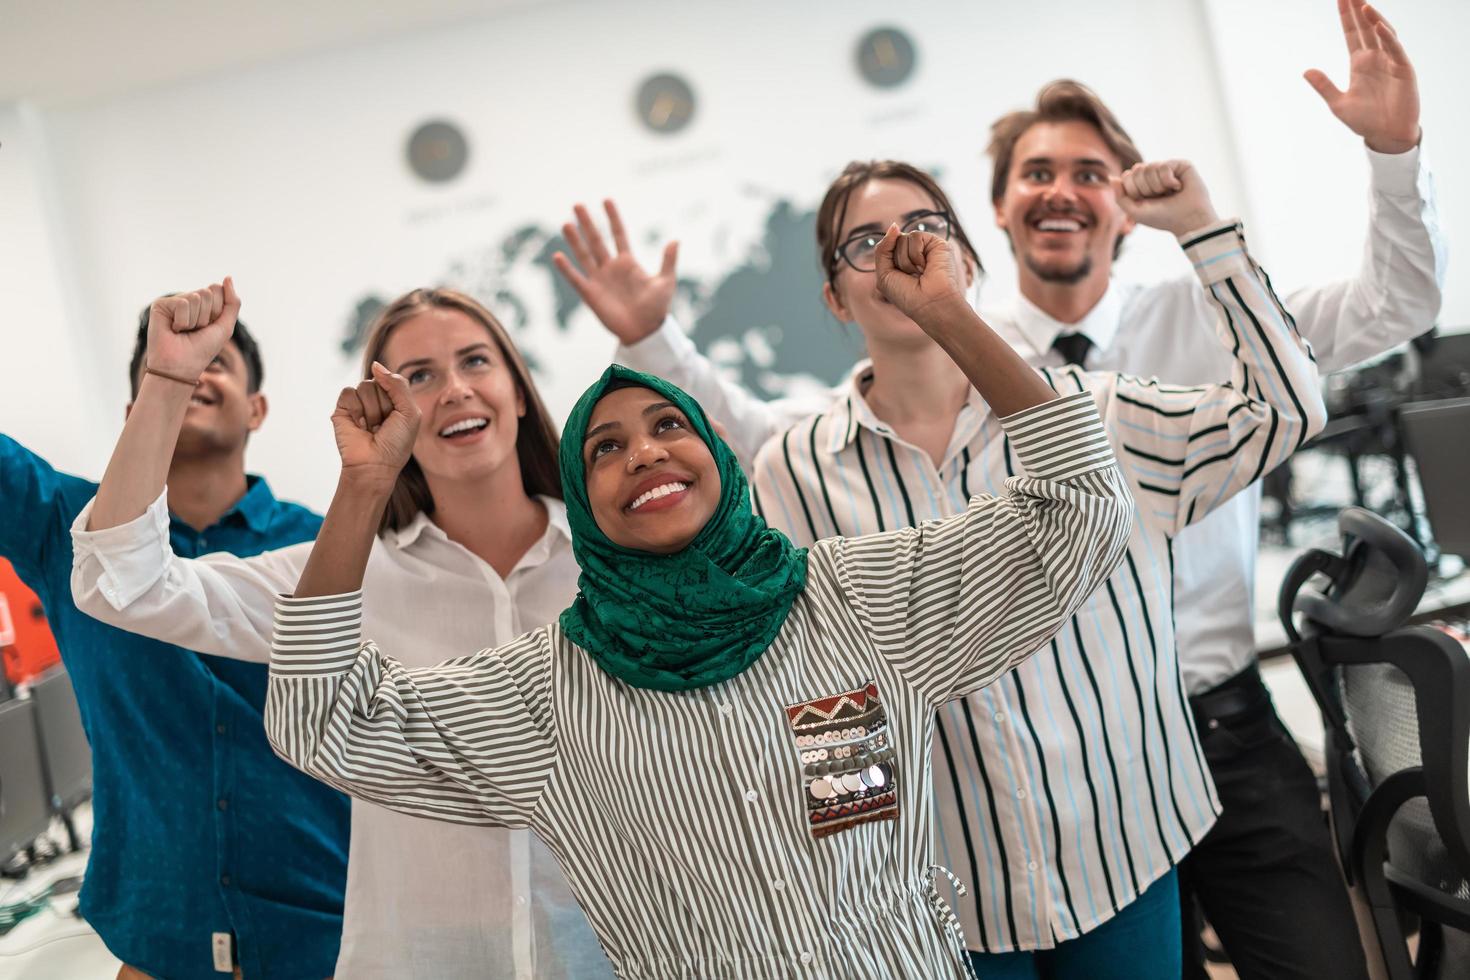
{"x": 725, "y": 739}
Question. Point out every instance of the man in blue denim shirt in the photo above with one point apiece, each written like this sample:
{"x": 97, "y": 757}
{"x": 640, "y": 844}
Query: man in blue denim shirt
{"x": 210, "y": 855}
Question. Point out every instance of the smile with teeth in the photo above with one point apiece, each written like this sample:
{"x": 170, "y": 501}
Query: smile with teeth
{"x": 1059, "y": 224}
{"x": 199, "y": 400}
{"x": 657, "y": 492}
{"x": 464, "y": 425}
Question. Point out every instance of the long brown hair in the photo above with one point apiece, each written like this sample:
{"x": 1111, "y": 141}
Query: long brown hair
{"x": 536, "y": 438}
{"x": 833, "y": 210}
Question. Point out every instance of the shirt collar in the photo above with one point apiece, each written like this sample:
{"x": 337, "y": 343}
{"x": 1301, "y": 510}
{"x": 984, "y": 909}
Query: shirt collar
{"x": 413, "y": 530}
{"x": 257, "y": 507}
{"x": 1039, "y": 329}
{"x": 850, "y": 409}
{"x": 556, "y": 514}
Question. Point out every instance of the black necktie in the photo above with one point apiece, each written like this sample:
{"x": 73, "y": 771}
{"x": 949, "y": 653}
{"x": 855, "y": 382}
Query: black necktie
{"x": 1073, "y": 347}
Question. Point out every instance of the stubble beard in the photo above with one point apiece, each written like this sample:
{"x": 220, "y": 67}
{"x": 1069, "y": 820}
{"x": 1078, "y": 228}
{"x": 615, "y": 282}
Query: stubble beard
{"x": 1065, "y": 276}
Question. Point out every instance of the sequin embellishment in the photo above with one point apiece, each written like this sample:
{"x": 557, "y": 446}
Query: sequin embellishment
{"x": 847, "y": 760}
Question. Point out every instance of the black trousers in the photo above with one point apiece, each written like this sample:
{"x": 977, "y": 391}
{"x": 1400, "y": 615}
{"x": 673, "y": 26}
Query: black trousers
{"x": 1265, "y": 874}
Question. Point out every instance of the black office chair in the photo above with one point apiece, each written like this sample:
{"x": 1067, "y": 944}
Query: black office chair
{"x": 1395, "y": 703}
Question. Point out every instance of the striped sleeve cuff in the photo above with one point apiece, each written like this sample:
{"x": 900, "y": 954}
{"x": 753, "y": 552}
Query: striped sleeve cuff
{"x": 1216, "y": 251}
{"x": 1060, "y": 439}
{"x": 318, "y": 635}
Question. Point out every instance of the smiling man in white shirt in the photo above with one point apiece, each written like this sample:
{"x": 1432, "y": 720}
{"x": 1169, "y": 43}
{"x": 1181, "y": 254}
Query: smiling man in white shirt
{"x": 1265, "y": 874}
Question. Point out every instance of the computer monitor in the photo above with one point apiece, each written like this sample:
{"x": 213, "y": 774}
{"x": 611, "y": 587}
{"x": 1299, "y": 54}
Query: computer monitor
{"x": 25, "y": 813}
{"x": 64, "y": 750}
{"x": 1444, "y": 365}
{"x": 1438, "y": 437}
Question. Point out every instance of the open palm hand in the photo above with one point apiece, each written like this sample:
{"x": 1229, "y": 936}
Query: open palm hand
{"x": 1381, "y": 103}
{"x": 629, "y": 302}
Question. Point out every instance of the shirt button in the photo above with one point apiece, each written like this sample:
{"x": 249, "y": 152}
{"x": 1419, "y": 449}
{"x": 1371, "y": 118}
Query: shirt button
{"x": 219, "y": 729}
{"x": 1020, "y": 794}
{"x": 223, "y": 804}
{"x": 224, "y": 880}
{"x": 806, "y": 957}
{"x": 751, "y": 796}
{"x": 727, "y": 710}
{"x": 1000, "y": 716}
{"x": 778, "y": 884}
{"x": 1030, "y": 865}
{"x": 520, "y": 900}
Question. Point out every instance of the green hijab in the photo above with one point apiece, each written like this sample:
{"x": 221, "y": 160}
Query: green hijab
{"x": 687, "y": 620}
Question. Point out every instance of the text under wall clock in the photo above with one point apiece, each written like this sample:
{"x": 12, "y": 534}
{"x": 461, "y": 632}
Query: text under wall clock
{"x": 665, "y": 103}
{"x": 437, "y": 151}
{"x": 886, "y": 57}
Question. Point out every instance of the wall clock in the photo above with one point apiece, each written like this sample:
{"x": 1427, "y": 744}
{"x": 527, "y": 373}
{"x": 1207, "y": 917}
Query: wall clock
{"x": 665, "y": 103}
{"x": 437, "y": 151}
{"x": 886, "y": 57}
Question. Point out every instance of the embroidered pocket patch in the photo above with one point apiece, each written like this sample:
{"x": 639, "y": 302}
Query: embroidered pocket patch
{"x": 847, "y": 760}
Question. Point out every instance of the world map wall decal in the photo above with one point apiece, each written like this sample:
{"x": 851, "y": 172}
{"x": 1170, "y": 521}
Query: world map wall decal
{"x": 761, "y": 318}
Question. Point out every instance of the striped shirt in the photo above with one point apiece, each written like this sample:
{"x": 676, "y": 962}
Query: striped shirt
{"x": 1067, "y": 788}
{"x": 775, "y": 824}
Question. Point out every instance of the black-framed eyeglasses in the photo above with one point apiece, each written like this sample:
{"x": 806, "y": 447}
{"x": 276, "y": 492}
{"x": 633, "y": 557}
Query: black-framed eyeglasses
{"x": 859, "y": 250}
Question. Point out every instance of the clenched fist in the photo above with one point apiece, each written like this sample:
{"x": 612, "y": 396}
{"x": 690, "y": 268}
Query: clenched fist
{"x": 1170, "y": 196}
{"x": 186, "y": 331}
{"x": 917, "y": 273}
{"x": 375, "y": 423}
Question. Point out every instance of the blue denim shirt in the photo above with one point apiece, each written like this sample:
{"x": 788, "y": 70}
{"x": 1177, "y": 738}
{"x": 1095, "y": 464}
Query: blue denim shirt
{"x": 198, "y": 828}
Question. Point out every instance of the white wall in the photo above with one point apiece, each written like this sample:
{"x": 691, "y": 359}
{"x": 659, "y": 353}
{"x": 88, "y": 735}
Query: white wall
{"x": 1306, "y": 173}
{"x": 49, "y": 396}
{"x": 291, "y": 176}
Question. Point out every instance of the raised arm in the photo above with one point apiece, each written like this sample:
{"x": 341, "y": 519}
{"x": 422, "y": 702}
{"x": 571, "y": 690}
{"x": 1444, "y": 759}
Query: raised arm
{"x": 124, "y": 570}
{"x": 468, "y": 741}
{"x": 1397, "y": 291}
{"x": 917, "y": 273}
{"x": 957, "y": 602}
{"x": 38, "y": 502}
{"x": 186, "y": 332}
{"x": 375, "y": 424}
{"x": 634, "y": 307}
{"x": 1187, "y": 449}
{"x": 128, "y": 576}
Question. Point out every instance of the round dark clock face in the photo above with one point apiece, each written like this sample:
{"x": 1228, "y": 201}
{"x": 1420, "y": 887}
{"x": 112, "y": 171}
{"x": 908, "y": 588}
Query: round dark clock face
{"x": 885, "y": 57}
{"x": 437, "y": 151}
{"x": 665, "y": 103}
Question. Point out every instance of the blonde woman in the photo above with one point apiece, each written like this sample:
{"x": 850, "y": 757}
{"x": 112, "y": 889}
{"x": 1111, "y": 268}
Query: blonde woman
{"x": 423, "y": 898}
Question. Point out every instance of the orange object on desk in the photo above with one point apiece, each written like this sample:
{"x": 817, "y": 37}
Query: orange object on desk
{"x": 25, "y": 636}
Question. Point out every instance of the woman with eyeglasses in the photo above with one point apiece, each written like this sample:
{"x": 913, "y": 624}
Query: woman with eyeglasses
{"x": 1066, "y": 792}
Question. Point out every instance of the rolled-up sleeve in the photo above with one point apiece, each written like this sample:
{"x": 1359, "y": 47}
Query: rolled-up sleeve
{"x": 128, "y": 576}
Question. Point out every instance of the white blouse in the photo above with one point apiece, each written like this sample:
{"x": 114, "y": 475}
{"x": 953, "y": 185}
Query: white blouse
{"x": 424, "y": 898}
